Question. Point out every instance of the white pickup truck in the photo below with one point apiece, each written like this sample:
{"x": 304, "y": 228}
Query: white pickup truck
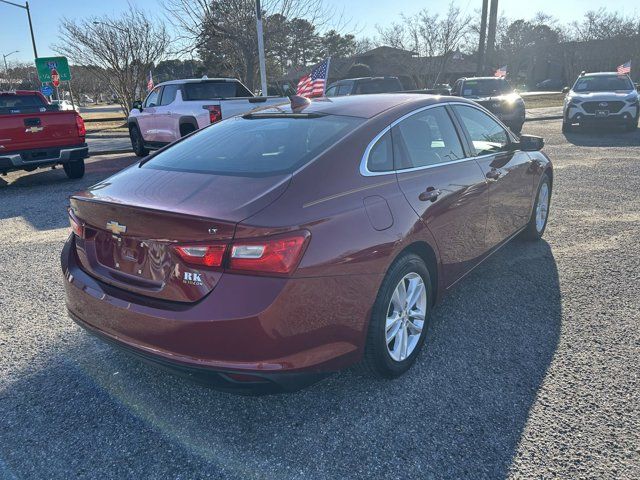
{"x": 176, "y": 108}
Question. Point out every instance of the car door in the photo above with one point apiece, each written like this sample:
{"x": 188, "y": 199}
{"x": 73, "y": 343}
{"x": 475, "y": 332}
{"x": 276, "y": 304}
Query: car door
{"x": 146, "y": 119}
{"x": 444, "y": 185}
{"x": 509, "y": 173}
{"x": 166, "y": 123}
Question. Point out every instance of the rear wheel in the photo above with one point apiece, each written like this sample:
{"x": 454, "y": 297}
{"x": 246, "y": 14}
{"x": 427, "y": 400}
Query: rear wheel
{"x": 632, "y": 126}
{"x": 566, "y": 127}
{"x": 74, "y": 169}
{"x": 538, "y": 221}
{"x": 399, "y": 319}
{"x": 137, "y": 142}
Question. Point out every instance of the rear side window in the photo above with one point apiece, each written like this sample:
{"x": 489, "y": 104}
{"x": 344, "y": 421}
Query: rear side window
{"x": 345, "y": 89}
{"x": 486, "y": 134}
{"x": 426, "y": 138}
{"x": 254, "y": 147}
{"x": 213, "y": 90}
{"x": 380, "y": 157}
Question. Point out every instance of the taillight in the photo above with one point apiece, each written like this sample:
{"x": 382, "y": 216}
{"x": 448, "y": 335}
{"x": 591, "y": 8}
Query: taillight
{"x": 76, "y": 227}
{"x": 279, "y": 255}
{"x": 206, "y": 255}
{"x": 215, "y": 113}
{"x": 82, "y": 131}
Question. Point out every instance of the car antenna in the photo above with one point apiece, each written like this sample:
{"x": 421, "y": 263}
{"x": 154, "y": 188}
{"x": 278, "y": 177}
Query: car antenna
{"x": 298, "y": 102}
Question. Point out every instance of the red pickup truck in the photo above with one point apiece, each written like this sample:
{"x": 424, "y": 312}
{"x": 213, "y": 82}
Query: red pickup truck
{"x": 36, "y": 134}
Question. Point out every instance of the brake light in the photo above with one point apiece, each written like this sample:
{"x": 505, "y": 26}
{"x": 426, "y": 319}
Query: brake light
{"x": 215, "y": 113}
{"x": 76, "y": 227}
{"x": 82, "y": 131}
{"x": 206, "y": 255}
{"x": 275, "y": 255}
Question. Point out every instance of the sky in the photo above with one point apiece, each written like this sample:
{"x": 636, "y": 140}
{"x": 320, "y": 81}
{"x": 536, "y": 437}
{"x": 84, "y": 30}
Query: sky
{"x": 364, "y": 15}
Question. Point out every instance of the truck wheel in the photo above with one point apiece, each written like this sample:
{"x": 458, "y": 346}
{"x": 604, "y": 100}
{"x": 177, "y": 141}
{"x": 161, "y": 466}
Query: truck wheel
{"x": 74, "y": 169}
{"x": 137, "y": 142}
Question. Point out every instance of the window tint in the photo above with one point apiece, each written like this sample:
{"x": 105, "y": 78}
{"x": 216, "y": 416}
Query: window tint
{"x": 17, "y": 102}
{"x": 345, "y": 89}
{"x": 331, "y": 91}
{"x": 169, "y": 94}
{"x": 426, "y": 138}
{"x": 254, "y": 147}
{"x": 486, "y": 134}
{"x": 381, "y": 155}
{"x": 214, "y": 89}
{"x": 377, "y": 85}
{"x": 152, "y": 99}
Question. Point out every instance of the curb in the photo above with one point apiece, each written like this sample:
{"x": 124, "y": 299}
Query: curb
{"x": 538, "y": 119}
{"x": 109, "y": 152}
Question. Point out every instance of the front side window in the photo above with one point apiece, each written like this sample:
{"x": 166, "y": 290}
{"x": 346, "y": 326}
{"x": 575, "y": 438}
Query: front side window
{"x": 169, "y": 94}
{"x": 331, "y": 91}
{"x": 345, "y": 89}
{"x": 486, "y": 134}
{"x": 426, "y": 138}
{"x": 256, "y": 146}
{"x": 381, "y": 155}
{"x": 152, "y": 99}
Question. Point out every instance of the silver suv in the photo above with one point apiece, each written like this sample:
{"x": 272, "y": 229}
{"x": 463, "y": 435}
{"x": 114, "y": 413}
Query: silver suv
{"x": 601, "y": 98}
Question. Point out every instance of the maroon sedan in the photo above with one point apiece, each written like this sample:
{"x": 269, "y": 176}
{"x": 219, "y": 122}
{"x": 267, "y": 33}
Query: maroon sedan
{"x": 268, "y": 250}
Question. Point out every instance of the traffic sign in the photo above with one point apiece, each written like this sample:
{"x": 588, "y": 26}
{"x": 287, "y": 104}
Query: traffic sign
{"x": 46, "y": 90}
{"x": 55, "y": 78}
{"x": 46, "y": 65}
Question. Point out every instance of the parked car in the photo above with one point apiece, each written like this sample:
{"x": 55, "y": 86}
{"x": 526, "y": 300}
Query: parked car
{"x": 497, "y": 96}
{"x": 63, "y": 105}
{"x": 36, "y": 134}
{"x": 363, "y": 85}
{"x": 176, "y": 108}
{"x": 551, "y": 84}
{"x": 601, "y": 98}
{"x": 224, "y": 255}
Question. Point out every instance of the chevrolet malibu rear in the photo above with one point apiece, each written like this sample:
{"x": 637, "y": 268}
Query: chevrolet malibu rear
{"x": 267, "y": 251}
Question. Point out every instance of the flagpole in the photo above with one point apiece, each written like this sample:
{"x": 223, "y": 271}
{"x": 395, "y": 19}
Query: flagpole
{"x": 326, "y": 79}
{"x": 263, "y": 68}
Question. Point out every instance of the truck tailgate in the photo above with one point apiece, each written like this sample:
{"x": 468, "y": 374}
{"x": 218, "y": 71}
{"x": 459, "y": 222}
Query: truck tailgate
{"x": 22, "y": 131}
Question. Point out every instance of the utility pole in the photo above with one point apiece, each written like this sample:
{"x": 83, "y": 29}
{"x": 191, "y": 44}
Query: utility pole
{"x": 6, "y": 68}
{"x": 263, "y": 68}
{"x": 491, "y": 35}
{"x": 483, "y": 35}
{"x": 26, "y": 7}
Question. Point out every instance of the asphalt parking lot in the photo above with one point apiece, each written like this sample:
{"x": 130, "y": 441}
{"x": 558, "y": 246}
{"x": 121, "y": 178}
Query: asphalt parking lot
{"x": 531, "y": 368}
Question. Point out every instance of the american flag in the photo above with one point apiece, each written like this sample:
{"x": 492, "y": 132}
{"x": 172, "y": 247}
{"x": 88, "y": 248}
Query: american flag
{"x": 501, "y": 72}
{"x": 150, "y": 82}
{"x": 625, "y": 68}
{"x": 313, "y": 85}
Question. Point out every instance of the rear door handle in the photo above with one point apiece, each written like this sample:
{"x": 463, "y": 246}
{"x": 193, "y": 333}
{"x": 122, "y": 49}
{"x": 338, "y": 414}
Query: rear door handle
{"x": 494, "y": 174}
{"x": 431, "y": 194}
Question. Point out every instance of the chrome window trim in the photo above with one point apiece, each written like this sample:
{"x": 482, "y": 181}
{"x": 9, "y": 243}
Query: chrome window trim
{"x": 364, "y": 168}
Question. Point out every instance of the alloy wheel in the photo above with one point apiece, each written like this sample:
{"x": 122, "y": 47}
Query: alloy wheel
{"x": 542, "y": 209}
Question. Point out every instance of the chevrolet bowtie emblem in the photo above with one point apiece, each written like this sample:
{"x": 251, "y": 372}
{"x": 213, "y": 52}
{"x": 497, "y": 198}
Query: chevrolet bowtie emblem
{"x": 116, "y": 228}
{"x": 34, "y": 129}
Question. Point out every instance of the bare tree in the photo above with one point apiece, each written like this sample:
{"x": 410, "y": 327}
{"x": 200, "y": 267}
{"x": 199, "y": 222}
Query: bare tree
{"x": 121, "y": 50}
{"x": 602, "y": 24}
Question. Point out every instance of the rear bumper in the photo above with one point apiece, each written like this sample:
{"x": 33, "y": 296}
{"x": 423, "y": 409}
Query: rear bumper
{"x": 288, "y": 332}
{"x": 16, "y": 160}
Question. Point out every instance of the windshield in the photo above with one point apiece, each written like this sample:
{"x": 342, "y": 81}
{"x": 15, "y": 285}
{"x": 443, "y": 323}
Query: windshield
{"x": 610, "y": 83}
{"x": 256, "y": 146}
{"x": 485, "y": 88}
{"x": 213, "y": 90}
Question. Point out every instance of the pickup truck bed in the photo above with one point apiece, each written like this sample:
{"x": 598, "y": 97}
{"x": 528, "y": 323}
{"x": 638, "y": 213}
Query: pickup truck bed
{"x": 35, "y": 134}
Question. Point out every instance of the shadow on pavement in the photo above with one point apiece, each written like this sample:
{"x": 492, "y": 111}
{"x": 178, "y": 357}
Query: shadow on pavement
{"x": 603, "y": 136}
{"x": 40, "y": 197}
{"x": 87, "y": 410}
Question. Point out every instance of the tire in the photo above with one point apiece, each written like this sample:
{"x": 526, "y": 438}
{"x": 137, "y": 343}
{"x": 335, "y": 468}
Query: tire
{"x": 137, "y": 142}
{"x": 535, "y": 228}
{"x": 378, "y": 359}
{"x": 186, "y": 129}
{"x": 567, "y": 127}
{"x": 631, "y": 127}
{"x": 74, "y": 170}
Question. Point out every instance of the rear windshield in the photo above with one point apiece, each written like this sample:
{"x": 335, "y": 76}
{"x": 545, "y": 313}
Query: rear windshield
{"x": 213, "y": 90}
{"x": 610, "y": 83}
{"x": 378, "y": 85}
{"x": 485, "y": 87}
{"x": 18, "y": 103}
{"x": 254, "y": 147}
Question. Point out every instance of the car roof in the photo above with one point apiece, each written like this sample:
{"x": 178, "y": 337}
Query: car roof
{"x": 363, "y": 106}
{"x": 603, "y": 74}
{"x": 483, "y": 78}
{"x": 198, "y": 80}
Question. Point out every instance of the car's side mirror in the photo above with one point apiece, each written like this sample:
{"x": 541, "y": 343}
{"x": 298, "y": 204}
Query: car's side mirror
{"x": 137, "y": 104}
{"x": 565, "y": 90}
{"x": 528, "y": 143}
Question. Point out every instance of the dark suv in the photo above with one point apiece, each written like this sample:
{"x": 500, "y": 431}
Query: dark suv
{"x": 497, "y": 96}
{"x": 359, "y": 86}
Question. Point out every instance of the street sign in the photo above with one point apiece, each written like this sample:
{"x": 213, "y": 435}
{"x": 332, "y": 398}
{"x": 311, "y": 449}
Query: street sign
{"x": 46, "y": 90}
{"x": 55, "y": 78}
{"x": 45, "y": 65}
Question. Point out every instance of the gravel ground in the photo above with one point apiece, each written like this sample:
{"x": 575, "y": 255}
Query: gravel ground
{"x": 531, "y": 369}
